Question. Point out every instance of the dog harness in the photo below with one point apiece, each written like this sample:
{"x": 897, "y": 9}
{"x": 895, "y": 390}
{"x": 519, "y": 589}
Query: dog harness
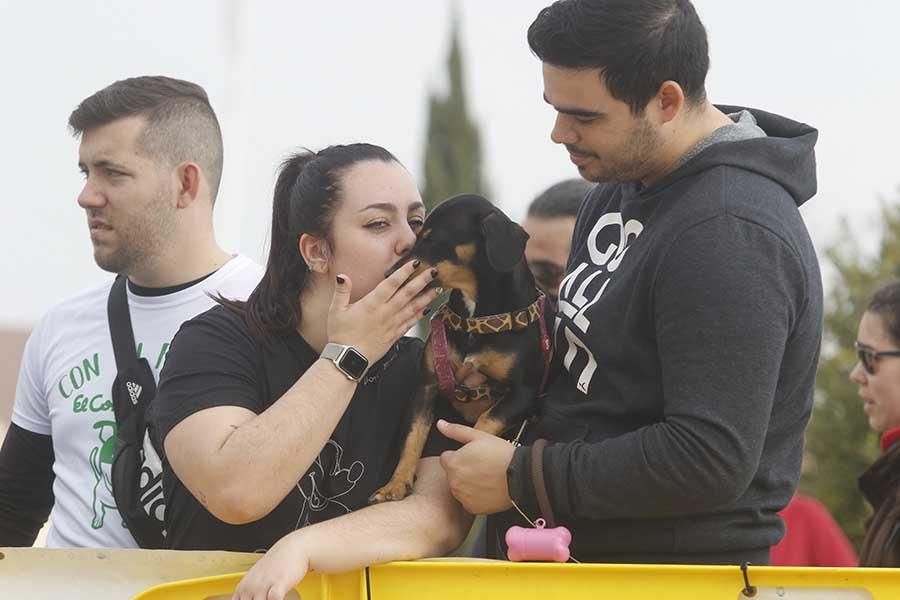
{"x": 511, "y": 321}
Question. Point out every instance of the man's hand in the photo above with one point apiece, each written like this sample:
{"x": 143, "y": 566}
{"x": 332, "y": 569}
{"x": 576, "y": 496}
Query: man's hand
{"x": 477, "y": 471}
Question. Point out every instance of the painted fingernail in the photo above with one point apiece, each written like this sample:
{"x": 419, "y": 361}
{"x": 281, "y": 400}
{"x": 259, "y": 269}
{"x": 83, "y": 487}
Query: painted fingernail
{"x": 426, "y": 311}
{"x": 340, "y": 280}
{"x": 416, "y": 263}
{"x": 434, "y": 272}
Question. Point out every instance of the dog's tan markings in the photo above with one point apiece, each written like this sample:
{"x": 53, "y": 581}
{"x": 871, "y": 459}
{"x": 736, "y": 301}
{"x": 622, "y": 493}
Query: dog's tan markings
{"x": 471, "y": 410}
{"x": 423, "y": 266}
{"x": 465, "y": 369}
{"x": 401, "y": 483}
{"x": 494, "y": 364}
{"x": 458, "y": 277}
{"x": 465, "y": 252}
{"x": 490, "y": 424}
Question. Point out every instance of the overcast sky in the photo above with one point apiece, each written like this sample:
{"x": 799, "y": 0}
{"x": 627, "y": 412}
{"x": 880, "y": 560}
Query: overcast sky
{"x": 302, "y": 73}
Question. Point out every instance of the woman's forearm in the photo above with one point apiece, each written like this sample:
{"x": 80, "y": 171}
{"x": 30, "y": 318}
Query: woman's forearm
{"x": 427, "y": 523}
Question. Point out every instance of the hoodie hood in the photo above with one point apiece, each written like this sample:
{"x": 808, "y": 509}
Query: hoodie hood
{"x": 786, "y": 155}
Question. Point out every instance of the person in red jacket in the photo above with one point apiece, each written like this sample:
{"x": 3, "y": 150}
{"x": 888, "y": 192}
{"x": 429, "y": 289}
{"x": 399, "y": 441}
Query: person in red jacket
{"x": 813, "y": 538}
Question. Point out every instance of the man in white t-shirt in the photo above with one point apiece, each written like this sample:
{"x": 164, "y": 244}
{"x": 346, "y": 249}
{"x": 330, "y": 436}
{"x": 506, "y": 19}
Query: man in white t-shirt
{"x": 151, "y": 154}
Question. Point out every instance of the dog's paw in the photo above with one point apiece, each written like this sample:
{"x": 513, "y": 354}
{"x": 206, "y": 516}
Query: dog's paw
{"x": 394, "y": 490}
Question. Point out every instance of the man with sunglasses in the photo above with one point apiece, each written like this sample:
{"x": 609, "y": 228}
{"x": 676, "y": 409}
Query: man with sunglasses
{"x": 549, "y": 224}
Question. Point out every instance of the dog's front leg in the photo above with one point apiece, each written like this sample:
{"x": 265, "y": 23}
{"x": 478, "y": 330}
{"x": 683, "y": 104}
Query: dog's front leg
{"x": 516, "y": 406}
{"x": 401, "y": 483}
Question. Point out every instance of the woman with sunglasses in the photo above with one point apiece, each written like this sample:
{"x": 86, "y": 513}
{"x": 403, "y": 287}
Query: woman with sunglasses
{"x": 878, "y": 376}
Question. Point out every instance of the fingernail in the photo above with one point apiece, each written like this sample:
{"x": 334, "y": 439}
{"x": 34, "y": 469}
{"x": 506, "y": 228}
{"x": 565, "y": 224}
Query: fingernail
{"x": 340, "y": 280}
{"x": 434, "y": 272}
{"x": 426, "y": 311}
{"x": 416, "y": 263}
{"x": 441, "y": 422}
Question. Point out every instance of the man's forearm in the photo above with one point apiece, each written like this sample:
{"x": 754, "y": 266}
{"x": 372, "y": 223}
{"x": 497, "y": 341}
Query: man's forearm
{"x": 26, "y": 485}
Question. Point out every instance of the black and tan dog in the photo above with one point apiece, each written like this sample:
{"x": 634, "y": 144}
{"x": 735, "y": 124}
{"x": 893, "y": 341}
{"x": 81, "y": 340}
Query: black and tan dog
{"x": 493, "y": 322}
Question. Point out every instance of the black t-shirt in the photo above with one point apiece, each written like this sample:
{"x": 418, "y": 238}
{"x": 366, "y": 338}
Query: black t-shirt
{"x": 215, "y": 361}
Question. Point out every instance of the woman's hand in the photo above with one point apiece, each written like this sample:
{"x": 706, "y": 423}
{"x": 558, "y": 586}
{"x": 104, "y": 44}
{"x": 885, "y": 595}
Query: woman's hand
{"x": 277, "y": 573}
{"x": 374, "y": 322}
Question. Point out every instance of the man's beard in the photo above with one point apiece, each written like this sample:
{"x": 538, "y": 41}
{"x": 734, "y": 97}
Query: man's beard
{"x": 631, "y": 162}
{"x": 139, "y": 243}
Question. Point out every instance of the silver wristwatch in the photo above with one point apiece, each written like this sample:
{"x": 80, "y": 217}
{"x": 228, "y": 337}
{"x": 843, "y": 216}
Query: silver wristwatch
{"x": 347, "y": 359}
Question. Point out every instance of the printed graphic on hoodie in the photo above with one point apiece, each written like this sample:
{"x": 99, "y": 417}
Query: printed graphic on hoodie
{"x": 607, "y": 244}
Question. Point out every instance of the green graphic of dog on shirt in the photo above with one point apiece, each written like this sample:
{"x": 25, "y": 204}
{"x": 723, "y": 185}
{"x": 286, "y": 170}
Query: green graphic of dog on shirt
{"x": 101, "y": 463}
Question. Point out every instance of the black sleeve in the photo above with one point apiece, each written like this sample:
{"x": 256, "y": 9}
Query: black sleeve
{"x": 26, "y": 485}
{"x": 213, "y": 361}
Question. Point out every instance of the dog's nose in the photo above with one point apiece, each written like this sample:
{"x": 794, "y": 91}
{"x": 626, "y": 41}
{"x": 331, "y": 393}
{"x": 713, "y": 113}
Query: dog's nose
{"x": 396, "y": 266}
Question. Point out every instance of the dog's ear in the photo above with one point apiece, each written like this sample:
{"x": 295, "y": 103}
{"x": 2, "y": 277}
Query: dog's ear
{"x": 504, "y": 241}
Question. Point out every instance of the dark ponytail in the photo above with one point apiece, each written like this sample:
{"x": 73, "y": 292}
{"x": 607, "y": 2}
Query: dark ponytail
{"x": 307, "y": 193}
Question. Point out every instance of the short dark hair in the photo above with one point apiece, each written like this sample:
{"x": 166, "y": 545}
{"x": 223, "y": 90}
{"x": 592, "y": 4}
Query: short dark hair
{"x": 637, "y": 45}
{"x": 886, "y": 303}
{"x": 181, "y": 124}
{"x": 560, "y": 199}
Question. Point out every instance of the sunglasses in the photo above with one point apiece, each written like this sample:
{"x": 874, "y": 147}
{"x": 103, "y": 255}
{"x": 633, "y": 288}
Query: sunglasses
{"x": 868, "y": 356}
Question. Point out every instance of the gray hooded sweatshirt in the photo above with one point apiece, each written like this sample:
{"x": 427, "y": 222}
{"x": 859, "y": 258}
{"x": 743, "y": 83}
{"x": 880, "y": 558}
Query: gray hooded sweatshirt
{"x": 688, "y": 330}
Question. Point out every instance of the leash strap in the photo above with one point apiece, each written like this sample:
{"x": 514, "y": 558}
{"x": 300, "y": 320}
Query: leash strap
{"x": 546, "y": 346}
{"x": 441, "y": 351}
{"x": 537, "y": 478}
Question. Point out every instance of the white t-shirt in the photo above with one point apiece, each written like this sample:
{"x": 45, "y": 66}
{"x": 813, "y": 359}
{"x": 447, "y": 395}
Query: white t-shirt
{"x": 64, "y": 390}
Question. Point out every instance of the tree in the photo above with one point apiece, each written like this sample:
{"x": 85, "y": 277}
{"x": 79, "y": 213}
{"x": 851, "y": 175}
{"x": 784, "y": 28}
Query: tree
{"x": 453, "y": 146}
{"x": 452, "y": 166}
{"x": 840, "y": 444}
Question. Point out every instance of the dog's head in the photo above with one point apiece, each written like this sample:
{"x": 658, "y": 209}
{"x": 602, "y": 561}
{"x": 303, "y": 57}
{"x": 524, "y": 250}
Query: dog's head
{"x": 467, "y": 238}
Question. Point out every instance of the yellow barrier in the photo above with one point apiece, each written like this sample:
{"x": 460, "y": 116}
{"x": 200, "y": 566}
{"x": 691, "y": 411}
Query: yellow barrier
{"x": 462, "y": 579}
{"x": 316, "y": 586}
{"x": 459, "y": 580}
{"x": 105, "y": 573}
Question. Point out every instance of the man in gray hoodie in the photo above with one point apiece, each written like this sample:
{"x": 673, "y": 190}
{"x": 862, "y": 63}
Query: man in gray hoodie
{"x": 690, "y": 317}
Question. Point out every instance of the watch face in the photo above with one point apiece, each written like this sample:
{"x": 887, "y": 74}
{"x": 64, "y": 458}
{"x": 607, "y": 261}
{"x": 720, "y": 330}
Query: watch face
{"x": 354, "y": 363}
